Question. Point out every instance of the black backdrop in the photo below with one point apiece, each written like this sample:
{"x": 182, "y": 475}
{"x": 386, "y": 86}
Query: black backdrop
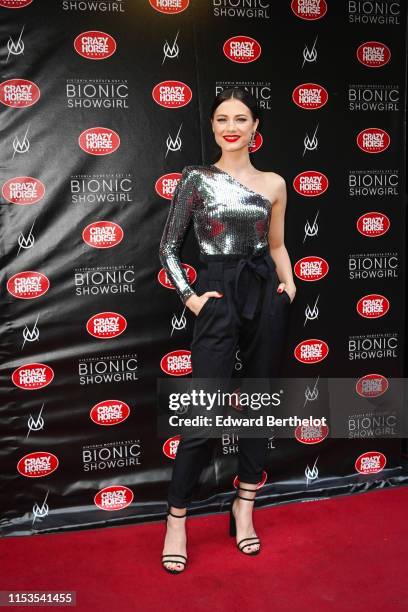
{"x": 102, "y": 105}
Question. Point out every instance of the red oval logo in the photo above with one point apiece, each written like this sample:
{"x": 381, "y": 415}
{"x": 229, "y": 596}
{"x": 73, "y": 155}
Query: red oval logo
{"x": 373, "y": 54}
{"x": 95, "y": 45}
{"x": 177, "y": 363}
{"x": 311, "y": 268}
{"x": 166, "y": 184}
{"x": 310, "y": 96}
{"x": 258, "y": 142}
{"x": 106, "y": 325}
{"x": 19, "y": 93}
{"x": 32, "y": 376}
{"x": 170, "y": 446}
{"x": 115, "y": 497}
{"x": 38, "y": 464}
{"x": 373, "y": 140}
{"x": 23, "y": 190}
{"x": 169, "y": 7}
{"x": 99, "y": 141}
{"x": 260, "y": 484}
{"x": 165, "y": 281}
{"x": 102, "y": 234}
{"x": 15, "y": 4}
{"x": 310, "y": 183}
{"x": 372, "y": 306}
{"x": 28, "y": 285}
{"x": 370, "y": 462}
{"x": 242, "y": 49}
{"x": 373, "y": 224}
{"x": 109, "y": 412}
{"x": 371, "y": 385}
{"x": 311, "y": 434}
{"x": 310, "y": 11}
{"x": 311, "y": 351}
{"x": 172, "y": 94}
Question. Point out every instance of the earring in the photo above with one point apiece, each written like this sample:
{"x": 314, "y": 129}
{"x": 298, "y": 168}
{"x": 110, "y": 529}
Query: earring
{"x": 252, "y": 141}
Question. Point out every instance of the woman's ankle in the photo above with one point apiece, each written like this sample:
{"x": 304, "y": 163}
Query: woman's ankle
{"x": 179, "y": 512}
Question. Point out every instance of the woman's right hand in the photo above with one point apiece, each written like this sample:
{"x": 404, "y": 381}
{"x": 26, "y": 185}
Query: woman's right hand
{"x": 196, "y": 302}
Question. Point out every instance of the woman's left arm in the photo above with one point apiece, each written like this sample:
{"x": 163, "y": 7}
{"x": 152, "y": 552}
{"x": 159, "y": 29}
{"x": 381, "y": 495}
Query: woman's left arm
{"x": 276, "y": 238}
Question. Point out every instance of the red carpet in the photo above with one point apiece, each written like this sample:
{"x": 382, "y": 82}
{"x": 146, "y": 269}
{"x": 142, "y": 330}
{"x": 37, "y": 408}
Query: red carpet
{"x": 348, "y": 553}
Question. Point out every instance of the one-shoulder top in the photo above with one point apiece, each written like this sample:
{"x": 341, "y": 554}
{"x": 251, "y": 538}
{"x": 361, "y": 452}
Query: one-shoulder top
{"x": 228, "y": 218}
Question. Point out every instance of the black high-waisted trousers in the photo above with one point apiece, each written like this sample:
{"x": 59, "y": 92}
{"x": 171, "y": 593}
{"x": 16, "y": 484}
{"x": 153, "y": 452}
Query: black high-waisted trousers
{"x": 252, "y": 316}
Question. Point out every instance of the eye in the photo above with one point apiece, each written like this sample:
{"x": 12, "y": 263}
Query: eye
{"x": 240, "y": 119}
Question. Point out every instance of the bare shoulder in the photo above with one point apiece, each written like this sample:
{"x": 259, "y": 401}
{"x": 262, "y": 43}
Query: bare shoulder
{"x": 274, "y": 179}
{"x": 275, "y": 184}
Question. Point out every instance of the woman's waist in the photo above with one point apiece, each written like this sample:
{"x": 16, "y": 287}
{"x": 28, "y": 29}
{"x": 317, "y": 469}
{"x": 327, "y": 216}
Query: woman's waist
{"x": 215, "y": 255}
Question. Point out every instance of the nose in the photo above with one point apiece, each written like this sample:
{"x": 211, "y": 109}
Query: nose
{"x": 231, "y": 127}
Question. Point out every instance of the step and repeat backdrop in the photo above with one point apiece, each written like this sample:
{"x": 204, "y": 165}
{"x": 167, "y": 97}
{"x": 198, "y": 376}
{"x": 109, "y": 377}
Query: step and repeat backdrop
{"x": 102, "y": 104}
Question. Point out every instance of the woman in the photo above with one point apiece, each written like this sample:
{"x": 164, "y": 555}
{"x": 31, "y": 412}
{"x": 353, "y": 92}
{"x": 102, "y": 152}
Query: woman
{"x": 244, "y": 291}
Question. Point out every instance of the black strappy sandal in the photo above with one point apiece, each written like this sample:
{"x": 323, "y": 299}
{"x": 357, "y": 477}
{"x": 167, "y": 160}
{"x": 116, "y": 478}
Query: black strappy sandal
{"x": 233, "y": 526}
{"x": 174, "y": 571}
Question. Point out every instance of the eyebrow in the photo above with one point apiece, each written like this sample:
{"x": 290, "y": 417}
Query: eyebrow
{"x": 239, "y": 115}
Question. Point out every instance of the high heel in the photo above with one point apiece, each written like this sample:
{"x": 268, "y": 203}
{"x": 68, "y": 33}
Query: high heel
{"x": 174, "y": 571}
{"x": 233, "y": 526}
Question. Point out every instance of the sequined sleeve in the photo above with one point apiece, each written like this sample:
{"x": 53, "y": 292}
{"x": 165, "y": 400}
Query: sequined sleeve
{"x": 178, "y": 220}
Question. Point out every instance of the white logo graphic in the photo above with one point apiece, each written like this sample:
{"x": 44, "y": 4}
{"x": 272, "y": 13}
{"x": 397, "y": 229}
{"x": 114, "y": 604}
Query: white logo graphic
{"x": 311, "y": 313}
{"x": 311, "y": 394}
{"x": 238, "y": 362}
{"x": 26, "y": 242}
{"x": 178, "y": 323}
{"x": 174, "y": 144}
{"x": 310, "y": 143}
{"x": 40, "y": 511}
{"x": 170, "y": 51}
{"x": 31, "y": 335}
{"x": 21, "y": 146}
{"x": 311, "y": 230}
{"x": 311, "y": 473}
{"x": 35, "y": 424}
{"x": 15, "y": 48}
{"x": 310, "y": 56}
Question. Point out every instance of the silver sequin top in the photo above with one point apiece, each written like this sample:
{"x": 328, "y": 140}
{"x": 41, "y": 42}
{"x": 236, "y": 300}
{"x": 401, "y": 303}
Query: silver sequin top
{"x": 228, "y": 218}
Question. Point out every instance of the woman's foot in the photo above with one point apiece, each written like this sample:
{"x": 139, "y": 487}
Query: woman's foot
{"x": 242, "y": 511}
{"x": 176, "y": 539}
